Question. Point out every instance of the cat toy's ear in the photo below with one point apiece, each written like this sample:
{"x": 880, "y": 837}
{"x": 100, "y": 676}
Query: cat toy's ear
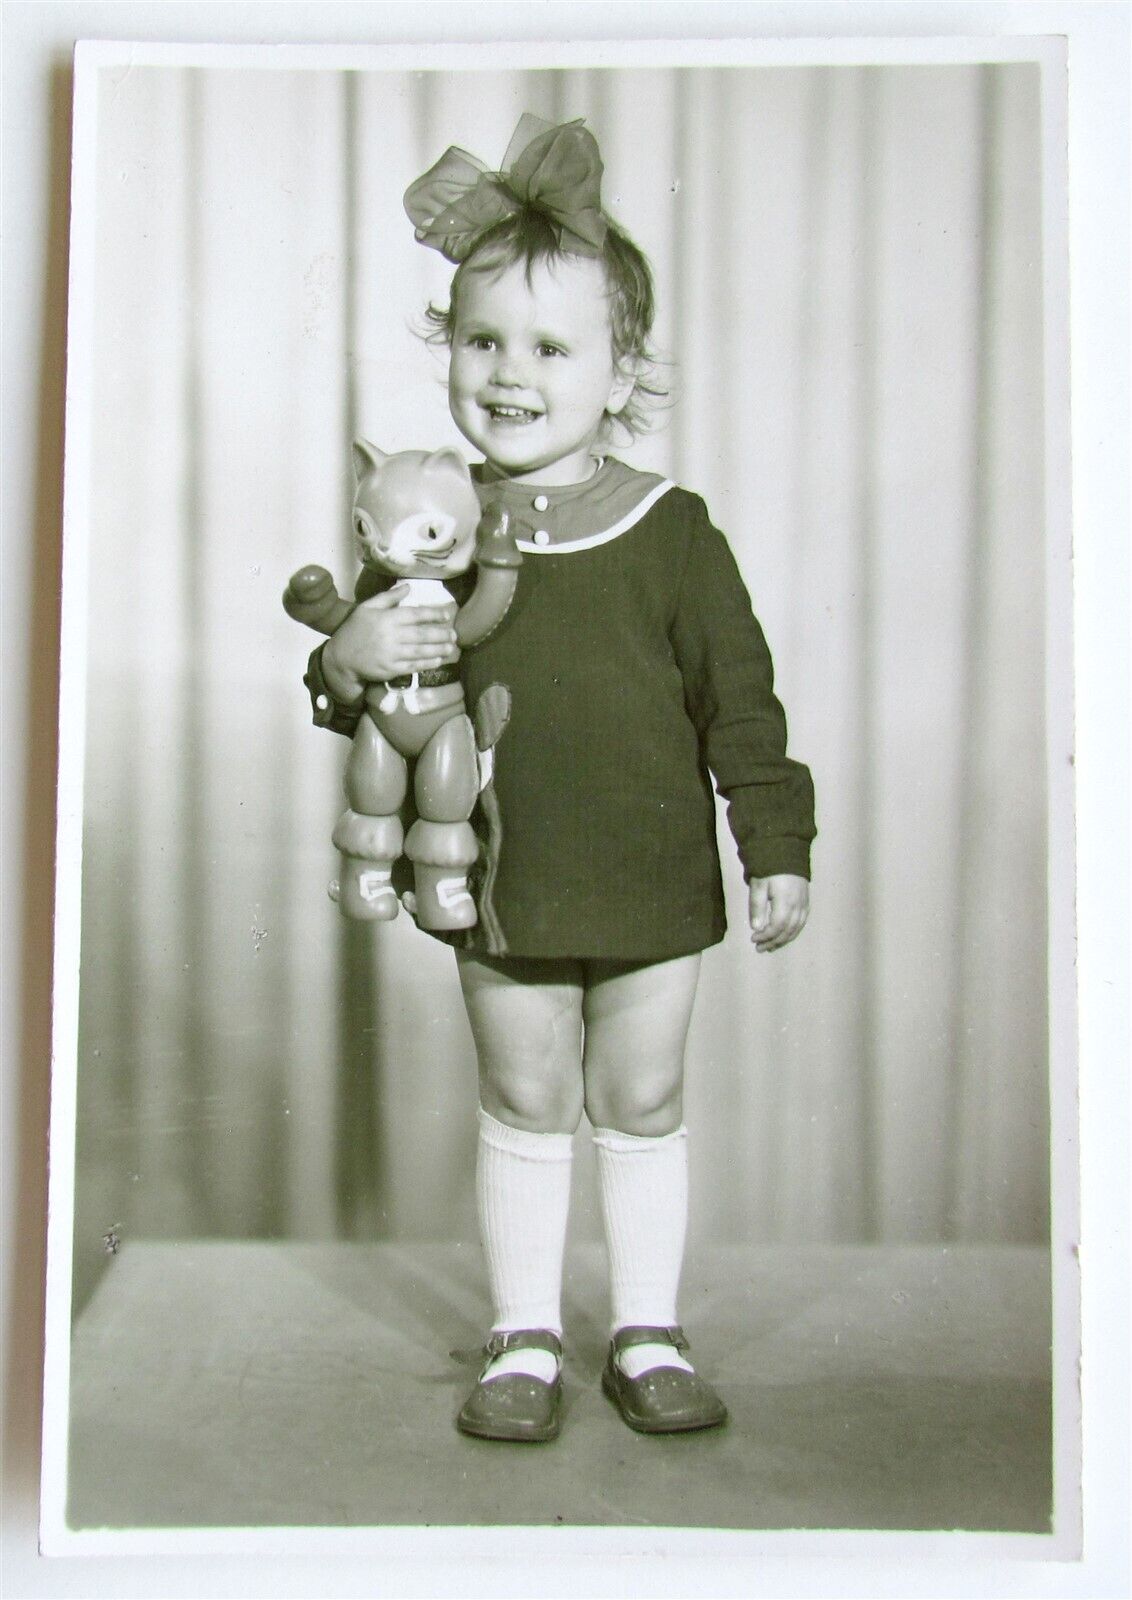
{"x": 367, "y": 458}
{"x": 449, "y": 460}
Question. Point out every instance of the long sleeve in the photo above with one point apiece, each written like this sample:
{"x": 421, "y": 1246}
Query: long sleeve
{"x": 729, "y": 692}
{"x": 326, "y": 712}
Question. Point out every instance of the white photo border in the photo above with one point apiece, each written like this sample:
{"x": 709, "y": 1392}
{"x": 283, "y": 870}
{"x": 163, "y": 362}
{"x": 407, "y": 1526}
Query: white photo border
{"x": 520, "y": 1545}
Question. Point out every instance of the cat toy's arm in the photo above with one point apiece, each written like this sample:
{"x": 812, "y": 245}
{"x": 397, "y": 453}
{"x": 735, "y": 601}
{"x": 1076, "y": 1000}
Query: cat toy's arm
{"x": 311, "y": 597}
{"x": 498, "y": 560}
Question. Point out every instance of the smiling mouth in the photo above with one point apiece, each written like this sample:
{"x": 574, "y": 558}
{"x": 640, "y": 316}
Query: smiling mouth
{"x": 512, "y": 414}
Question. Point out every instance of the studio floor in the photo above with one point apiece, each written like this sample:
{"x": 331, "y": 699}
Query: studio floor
{"x": 271, "y": 1384}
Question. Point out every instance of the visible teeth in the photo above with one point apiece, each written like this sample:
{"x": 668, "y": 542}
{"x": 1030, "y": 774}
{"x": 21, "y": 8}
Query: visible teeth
{"x": 511, "y": 411}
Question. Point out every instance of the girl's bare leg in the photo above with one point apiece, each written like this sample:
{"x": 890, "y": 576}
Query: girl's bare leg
{"x": 526, "y": 1018}
{"x": 636, "y": 1027}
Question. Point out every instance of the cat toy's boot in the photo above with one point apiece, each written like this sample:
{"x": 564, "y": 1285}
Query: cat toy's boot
{"x": 442, "y": 854}
{"x": 370, "y": 835}
{"x": 364, "y": 886}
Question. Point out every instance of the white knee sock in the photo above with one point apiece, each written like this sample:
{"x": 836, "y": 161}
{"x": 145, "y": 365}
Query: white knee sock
{"x": 644, "y": 1202}
{"x": 523, "y": 1197}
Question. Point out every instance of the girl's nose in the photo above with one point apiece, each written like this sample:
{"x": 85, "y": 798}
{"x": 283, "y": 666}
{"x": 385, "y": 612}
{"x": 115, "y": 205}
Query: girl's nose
{"x": 508, "y": 370}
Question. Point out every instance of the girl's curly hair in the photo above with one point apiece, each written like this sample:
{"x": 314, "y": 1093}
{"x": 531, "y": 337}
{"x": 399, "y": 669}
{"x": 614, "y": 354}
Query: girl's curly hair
{"x": 528, "y": 237}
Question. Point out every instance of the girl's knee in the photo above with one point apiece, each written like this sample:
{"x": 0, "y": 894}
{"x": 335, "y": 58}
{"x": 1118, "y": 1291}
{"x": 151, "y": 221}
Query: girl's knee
{"x": 527, "y": 1022}
{"x": 636, "y": 1023}
{"x": 646, "y": 1106}
{"x": 533, "y": 1104}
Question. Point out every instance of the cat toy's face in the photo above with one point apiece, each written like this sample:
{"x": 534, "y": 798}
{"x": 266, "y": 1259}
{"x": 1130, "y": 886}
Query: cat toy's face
{"x": 415, "y": 514}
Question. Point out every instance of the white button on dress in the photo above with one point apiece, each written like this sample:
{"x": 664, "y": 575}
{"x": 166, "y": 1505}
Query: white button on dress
{"x": 542, "y": 537}
{"x": 540, "y": 502}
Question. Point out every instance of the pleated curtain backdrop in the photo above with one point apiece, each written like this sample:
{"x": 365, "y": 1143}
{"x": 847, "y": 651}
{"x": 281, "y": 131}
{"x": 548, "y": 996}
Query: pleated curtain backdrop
{"x": 849, "y": 282}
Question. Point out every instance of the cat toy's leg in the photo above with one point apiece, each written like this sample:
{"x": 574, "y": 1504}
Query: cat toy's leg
{"x": 369, "y": 835}
{"x": 442, "y": 844}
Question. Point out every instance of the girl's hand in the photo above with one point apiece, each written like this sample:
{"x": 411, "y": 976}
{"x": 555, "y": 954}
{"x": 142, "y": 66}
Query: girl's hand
{"x": 779, "y": 907}
{"x": 380, "y": 640}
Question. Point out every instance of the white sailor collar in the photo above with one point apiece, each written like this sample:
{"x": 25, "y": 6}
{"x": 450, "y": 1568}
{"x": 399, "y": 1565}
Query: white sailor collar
{"x": 576, "y": 516}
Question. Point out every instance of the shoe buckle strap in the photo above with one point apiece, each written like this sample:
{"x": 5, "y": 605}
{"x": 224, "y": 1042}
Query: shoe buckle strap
{"x": 506, "y": 1339}
{"x": 523, "y": 1339}
{"x": 627, "y": 1338}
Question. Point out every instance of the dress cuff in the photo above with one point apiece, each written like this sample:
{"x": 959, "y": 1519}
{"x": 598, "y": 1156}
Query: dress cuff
{"x": 325, "y": 710}
{"x": 766, "y": 858}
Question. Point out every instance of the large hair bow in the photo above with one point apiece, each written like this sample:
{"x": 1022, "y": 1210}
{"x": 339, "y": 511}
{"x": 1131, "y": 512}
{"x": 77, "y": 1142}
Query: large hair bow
{"x": 552, "y": 169}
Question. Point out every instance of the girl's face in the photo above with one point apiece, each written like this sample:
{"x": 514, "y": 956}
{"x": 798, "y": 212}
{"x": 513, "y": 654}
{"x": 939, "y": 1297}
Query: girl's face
{"x": 532, "y": 376}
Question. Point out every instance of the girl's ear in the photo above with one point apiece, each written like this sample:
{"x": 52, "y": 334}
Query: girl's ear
{"x": 448, "y": 460}
{"x": 367, "y": 457}
{"x": 624, "y": 379}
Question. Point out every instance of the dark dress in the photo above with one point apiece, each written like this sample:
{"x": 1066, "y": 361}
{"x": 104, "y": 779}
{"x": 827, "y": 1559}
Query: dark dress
{"x": 636, "y": 672}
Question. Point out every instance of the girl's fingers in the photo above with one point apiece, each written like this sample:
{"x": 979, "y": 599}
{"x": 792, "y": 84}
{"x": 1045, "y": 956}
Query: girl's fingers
{"x": 765, "y": 916}
{"x": 419, "y": 658}
{"x": 782, "y": 928}
{"x": 759, "y": 907}
{"x": 431, "y": 638}
{"x": 386, "y": 600}
{"x": 792, "y": 929}
{"x": 422, "y": 631}
{"x": 428, "y": 615}
{"x": 416, "y": 657}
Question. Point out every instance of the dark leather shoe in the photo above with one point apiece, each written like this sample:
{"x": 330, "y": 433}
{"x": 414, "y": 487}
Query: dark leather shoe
{"x": 664, "y": 1399}
{"x": 516, "y": 1407}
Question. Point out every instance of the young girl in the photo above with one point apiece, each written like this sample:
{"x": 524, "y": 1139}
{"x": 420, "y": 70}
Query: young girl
{"x": 636, "y": 672}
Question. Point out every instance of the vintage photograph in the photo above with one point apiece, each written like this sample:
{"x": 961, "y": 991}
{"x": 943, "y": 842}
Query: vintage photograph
{"x": 558, "y": 655}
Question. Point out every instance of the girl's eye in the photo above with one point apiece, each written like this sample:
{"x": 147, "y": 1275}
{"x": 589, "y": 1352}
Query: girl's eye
{"x": 481, "y": 341}
{"x": 551, "y": 350}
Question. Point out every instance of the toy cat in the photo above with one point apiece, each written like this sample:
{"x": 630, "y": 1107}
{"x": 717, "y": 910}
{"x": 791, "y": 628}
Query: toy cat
{"x": 417, "y": 517}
